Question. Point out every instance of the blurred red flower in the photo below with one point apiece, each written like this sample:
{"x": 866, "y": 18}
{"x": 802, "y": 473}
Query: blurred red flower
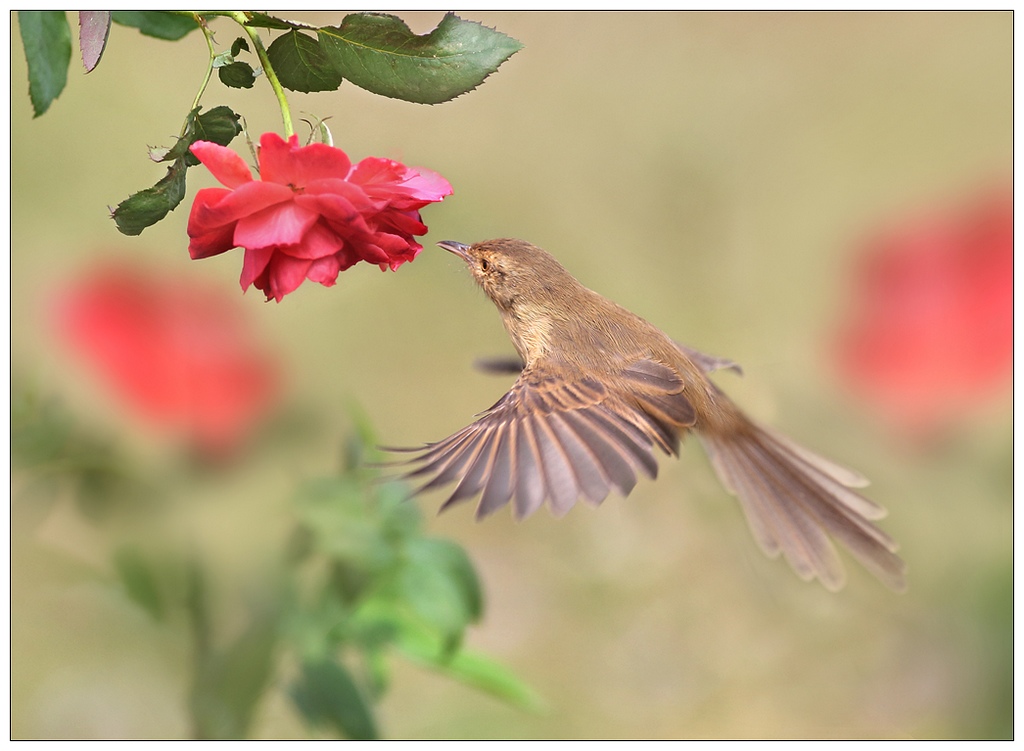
{"x": 311, "y": 214}
{"x": 175, "y": 353}
{"x": 930, "y": 334}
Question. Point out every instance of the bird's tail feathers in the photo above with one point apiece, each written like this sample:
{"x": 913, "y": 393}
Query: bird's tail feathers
{"x": 795, "y": 500}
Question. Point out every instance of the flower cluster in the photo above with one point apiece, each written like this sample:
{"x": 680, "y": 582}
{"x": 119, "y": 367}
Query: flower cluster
{"x": 311, "y": 214}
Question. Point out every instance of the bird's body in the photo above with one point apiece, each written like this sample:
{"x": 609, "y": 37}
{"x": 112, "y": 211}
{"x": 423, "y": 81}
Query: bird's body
{"x": 601, "y": 387}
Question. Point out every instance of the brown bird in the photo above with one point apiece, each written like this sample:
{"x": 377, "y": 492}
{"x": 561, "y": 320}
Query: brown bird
{"x": 600, "y": 389}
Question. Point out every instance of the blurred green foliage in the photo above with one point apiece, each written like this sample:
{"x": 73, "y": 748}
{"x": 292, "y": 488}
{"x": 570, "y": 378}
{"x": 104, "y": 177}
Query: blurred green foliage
{"x": 357, "y": 581}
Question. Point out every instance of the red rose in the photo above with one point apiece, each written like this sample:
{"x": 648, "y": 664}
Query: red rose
{"x": 930, "y": 335}
{"x": 174, "y": 353}
{"x": 312, "y": 213}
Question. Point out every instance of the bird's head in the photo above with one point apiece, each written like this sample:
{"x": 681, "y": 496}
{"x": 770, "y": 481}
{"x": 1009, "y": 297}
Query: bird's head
{"x": 513, "y": 272}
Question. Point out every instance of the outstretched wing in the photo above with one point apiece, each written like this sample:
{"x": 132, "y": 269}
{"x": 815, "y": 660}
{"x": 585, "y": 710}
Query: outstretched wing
{"x": 557, "y": 439}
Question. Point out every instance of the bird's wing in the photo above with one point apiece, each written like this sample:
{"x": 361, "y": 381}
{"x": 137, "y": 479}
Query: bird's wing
{"x": 559, "y": 439}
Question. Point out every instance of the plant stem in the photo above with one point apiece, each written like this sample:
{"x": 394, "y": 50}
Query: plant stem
{"x": 268, "y": 70}
{"x": 209, "y": 67}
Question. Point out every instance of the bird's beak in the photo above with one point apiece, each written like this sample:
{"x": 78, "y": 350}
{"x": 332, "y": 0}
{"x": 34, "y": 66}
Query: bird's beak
{"x": 459, "y": 249}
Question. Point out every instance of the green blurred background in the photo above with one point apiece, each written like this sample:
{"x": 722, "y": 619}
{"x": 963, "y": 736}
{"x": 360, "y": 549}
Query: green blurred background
{"x": 715, "y": 173}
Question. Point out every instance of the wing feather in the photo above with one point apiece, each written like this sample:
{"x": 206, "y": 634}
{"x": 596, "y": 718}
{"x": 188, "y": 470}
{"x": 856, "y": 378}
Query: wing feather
{"x": 558, "y": 440}
{"x": 530, "y": 479}
{"x": 501, "y": 477}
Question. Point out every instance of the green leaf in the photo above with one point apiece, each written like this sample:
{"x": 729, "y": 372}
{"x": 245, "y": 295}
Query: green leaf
{"x": 379, "y": 53}
{"x": 237, "y": 75}
{"x": 238, "y": 45}
{"x": 46, "y": 37}
{"x": 149, "y": 206}
{"x": 139, "y": 581}
{"x": 438, "y": 585}
{"x": 229, "y": 682}
{"x": 473, "y": 669}
{"x": 94, "y": 26}
{"x": 156, "y": 23}
{"x": 219, "y": 125}
{"x": 180, "y": 148}
{"x": 325, "y": 694}
{"x": 301, "y": 65}
{"x": 487, "y": 675}
{"x": 264, "y": 21}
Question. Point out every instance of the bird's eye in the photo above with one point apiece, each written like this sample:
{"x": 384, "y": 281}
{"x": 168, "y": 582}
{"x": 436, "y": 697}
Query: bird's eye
{"x": 484, "y": 264}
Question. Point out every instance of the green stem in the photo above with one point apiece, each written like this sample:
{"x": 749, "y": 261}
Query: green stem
{"x": 209, "y": 68}
{"x": 268, "y": 70}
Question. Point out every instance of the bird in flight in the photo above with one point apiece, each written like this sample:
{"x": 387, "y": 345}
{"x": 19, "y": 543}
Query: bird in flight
{"x": 600, "y": 390}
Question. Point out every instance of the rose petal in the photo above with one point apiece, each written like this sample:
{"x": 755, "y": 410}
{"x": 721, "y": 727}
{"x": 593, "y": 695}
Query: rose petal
{"x": 283, "y": 224}
{"x": 374, "y": 170}
{"x": 342, "y": 216}
{"x": 224, "y": 164}
{"x": 318, "y": 242}
{"x": 206, "y": 240}
{"x": 285, "y": 274}
{"x": 402, "y": 187}
{"x": 254, "y": 264}
{"x": 351, "y": 192}
{"x": 212, "y": 243}
{"x": 347, "y": 257}
{"x": 325, "y": 270}
{"x": 287, "y": 163}
{"x": 371, "y": 252}
{"x": 404, "y": 222}
{"x": 389, "y": 251}
{"x": 218, "y": 207}
{"x": 427, "y": 184}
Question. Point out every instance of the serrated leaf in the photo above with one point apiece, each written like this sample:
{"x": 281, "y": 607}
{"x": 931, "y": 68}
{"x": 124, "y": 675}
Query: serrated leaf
{"x": 180, "y": 148}
{"x": 149, "y": 206}
{"x": 325, "y": 694}
{"x": 156, "y": 23}
{"x": 139, "y": 581}
{"x": 238, "y": 45}
{"x": 378, "y": 52}
{"x": 264, "y": 21}
{"x": 301, "y": 65}
{"x": 46, "y": 37}
{"x": 237, "y": 75}
{"x": 93, "y": 29}
{"x": 219, "y": 125}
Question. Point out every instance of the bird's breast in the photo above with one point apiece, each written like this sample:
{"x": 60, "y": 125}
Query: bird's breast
{"x": 529, "y": 327}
